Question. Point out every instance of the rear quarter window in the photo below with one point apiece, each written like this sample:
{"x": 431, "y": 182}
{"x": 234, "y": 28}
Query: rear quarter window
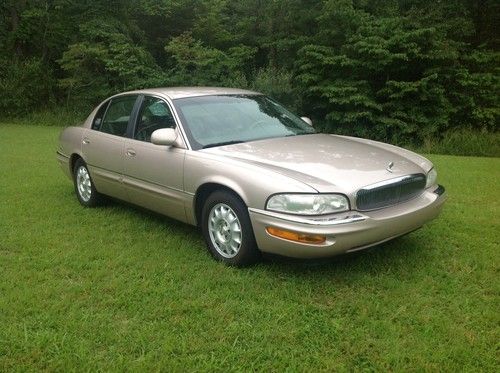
{"x": 96, "y": 123}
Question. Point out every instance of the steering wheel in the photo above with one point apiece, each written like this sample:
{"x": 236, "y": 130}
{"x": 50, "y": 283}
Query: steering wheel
{"x": 145, "y": 132}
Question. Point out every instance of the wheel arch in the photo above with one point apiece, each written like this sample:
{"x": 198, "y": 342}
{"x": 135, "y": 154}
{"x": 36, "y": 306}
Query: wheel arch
{"x": 72, "y": 160}
{"x": 207, "y": 188}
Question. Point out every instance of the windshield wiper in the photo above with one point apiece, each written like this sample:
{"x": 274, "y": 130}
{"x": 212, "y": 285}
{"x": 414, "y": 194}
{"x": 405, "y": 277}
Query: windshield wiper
{"x": 222, "y": 143}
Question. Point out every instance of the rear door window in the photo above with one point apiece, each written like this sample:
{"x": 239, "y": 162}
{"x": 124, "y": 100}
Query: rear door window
{"x": 117, "y": 116}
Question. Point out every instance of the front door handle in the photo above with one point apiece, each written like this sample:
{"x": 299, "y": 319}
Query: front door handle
{"x": 131, "y": 152}
{"x": 85, "y": 141}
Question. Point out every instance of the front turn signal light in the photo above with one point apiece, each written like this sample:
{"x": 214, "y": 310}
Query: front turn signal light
{"x": 297, "y": 237}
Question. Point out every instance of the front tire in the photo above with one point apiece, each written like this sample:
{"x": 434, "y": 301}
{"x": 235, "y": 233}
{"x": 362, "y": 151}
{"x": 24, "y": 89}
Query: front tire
{"x": 227, "y": 230}
{"x": 85, "y": 190}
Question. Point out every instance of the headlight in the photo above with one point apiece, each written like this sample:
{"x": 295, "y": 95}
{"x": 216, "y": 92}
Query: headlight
{"x": 431, "y": 178}
{"x": 308, "y": 204}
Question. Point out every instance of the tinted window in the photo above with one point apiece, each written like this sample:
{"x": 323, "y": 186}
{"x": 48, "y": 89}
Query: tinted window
{"x": 116, "y": 118}
{"x": 96, "y": 123}
{"x": 154, "y": 114}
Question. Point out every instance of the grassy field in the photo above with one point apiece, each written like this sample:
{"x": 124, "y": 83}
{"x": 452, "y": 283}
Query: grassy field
{"x": 117, "y": 288}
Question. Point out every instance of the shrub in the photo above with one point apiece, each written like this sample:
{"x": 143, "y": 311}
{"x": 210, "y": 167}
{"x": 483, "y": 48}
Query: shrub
{"x": 464, "y": 142}
{"x": 25, "y": 85}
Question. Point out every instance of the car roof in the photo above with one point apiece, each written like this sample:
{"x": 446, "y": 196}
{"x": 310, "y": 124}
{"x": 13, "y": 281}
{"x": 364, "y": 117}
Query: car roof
{"x": 183, "y": 92}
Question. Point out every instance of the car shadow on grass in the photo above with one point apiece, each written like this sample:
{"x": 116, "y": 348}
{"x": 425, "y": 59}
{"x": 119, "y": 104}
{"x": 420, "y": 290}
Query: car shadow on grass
{"x": 157, "y": 218}
{"x": 400, "y": 257}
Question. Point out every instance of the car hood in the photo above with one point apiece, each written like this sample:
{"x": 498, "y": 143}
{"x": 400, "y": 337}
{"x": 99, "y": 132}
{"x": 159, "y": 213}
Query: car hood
{"x": 327, "y": 163}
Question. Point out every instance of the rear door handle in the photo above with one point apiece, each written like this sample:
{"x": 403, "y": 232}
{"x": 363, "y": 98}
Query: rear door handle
{"x": 131, "y": 152}
{"x": 85, "y": 141}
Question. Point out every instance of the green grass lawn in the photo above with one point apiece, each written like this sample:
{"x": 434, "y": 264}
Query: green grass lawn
{"x": 117, "y": 288}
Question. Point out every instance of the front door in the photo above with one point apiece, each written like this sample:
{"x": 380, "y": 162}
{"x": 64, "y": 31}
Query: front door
{"x": 153, "y": 174}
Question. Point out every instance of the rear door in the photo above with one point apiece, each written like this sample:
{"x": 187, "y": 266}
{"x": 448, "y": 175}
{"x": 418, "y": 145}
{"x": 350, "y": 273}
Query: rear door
{"x": 103, "y": 144}
{"x": 153, "y": 174}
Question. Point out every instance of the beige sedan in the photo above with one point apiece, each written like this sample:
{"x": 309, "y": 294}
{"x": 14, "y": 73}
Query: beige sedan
{"x": 254, "y": 176}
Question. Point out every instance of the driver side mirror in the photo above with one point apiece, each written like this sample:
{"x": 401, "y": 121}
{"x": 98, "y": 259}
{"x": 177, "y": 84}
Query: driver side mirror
{"x": 307, "y": 120}
{"x": 164, "y": 136}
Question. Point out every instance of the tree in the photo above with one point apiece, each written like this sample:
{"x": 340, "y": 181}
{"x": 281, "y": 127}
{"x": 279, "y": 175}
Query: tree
{"x": 396, "y": 70}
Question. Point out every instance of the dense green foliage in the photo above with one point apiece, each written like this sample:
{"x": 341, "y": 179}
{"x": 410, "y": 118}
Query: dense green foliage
{"x": 119, "y": 289}
{"x": 396, "y": 70}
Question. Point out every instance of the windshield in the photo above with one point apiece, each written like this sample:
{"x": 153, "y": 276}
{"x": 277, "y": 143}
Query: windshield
{"x": 228, "y": 119}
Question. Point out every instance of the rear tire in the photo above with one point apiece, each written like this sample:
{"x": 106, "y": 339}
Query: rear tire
{"x": 227, "y": 230}
{"x": 85, "y": 190}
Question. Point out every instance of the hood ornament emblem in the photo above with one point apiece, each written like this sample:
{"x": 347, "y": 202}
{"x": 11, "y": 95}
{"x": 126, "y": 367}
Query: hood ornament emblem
{"x": 389, "y": 167}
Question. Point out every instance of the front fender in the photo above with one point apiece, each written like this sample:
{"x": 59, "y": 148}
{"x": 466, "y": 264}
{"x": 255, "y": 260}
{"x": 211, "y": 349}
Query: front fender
{"x": 254, "y": 184}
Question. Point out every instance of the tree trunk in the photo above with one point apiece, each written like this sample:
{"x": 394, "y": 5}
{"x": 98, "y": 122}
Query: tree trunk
{"x": 15, "y": 10}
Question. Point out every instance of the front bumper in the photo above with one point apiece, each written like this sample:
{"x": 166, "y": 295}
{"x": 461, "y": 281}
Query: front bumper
{"x": 346, "y": 232}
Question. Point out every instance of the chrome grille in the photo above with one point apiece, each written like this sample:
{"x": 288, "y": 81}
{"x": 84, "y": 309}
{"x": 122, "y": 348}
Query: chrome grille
{"x": 390, "y": 192}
